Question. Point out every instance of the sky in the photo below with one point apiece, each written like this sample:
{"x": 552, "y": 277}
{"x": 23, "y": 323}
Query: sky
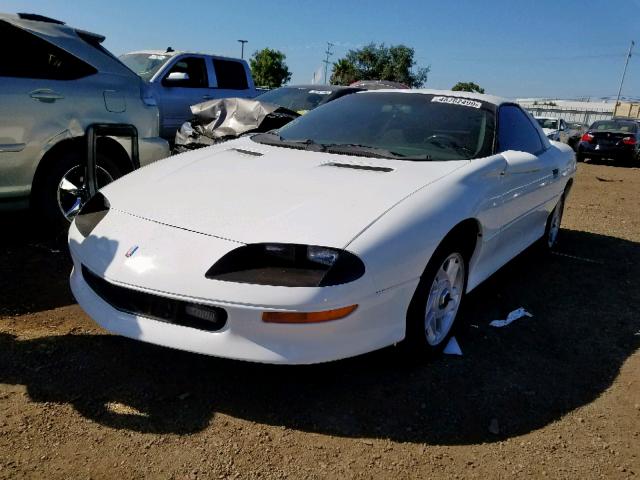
{"x": 512, "y": 48}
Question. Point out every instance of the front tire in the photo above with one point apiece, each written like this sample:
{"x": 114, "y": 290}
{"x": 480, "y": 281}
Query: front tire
{"x": 432, "y": 313}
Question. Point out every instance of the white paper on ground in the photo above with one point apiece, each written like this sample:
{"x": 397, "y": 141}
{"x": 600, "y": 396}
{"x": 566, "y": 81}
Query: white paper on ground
{"x": 452, "y": 347}
{"x": 516, "y": 314}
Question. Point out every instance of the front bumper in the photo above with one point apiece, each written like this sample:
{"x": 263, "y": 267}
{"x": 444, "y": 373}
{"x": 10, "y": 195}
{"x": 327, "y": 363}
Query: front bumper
{"x": 378, "y": 321}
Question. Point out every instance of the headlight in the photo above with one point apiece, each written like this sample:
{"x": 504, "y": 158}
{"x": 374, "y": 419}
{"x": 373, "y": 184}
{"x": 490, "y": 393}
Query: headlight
{"x": 91, "y": 214}
{"x": 287, "y": 265}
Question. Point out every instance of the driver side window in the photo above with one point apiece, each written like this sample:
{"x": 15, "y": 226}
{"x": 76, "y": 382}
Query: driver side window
{"x": 515, "y": 131}
{"x": 196, "y": 70}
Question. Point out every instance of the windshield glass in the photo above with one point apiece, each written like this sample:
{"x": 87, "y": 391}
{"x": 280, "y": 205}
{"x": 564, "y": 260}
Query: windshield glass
{"x": 408, "y": 126}
{"x": 615, "y": 126}
{"x": 551, "y": 123}
{"x": 297, "y": 99}
{"x": 144, "y": 64}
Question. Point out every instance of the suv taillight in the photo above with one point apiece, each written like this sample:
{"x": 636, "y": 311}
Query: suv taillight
{"x": 587, "y": 137}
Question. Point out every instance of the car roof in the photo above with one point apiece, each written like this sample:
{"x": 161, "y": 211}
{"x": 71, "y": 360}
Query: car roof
{"x": 310, "y": 86}
{"x": 173, "y": 53}
{"x": 483, "y": 97}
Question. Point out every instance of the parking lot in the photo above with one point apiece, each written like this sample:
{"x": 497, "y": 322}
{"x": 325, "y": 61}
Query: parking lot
{"x": 555, "y": 395}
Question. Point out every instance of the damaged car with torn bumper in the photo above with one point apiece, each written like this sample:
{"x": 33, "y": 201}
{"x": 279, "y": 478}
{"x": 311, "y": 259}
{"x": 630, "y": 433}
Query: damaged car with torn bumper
{"x": 359, "y": 225}
{"x": 216, "y": 121}
{"x": 220, "y": 120}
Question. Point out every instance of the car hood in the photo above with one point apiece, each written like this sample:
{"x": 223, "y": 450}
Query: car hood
{"x": 249, "y": 193}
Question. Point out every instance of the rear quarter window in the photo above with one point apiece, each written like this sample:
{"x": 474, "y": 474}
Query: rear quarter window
{"x": 516, "y": 132}
{"x": 230, "y": 75}
{"x": 29, "y": 56}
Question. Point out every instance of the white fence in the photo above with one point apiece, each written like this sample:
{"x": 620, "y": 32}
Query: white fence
{"x": 586, "y": 116}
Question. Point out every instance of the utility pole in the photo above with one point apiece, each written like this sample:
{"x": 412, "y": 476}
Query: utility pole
{"x": 242, "y": 48}
{"x": 624, "y": 72}
{"x": 326, "y": 60}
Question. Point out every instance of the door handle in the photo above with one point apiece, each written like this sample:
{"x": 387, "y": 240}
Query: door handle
{"x": 45, "y": 95}
{"x": 555, "y": 172}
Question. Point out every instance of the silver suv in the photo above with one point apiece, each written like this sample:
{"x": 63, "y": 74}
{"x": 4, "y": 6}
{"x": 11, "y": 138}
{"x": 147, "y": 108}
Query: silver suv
{"x": 56, "y": 81}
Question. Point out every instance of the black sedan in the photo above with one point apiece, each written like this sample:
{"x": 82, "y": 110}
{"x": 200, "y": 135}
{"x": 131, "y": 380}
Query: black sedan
{"x": 302, "y": 98}
{"x": 617, "y": 139}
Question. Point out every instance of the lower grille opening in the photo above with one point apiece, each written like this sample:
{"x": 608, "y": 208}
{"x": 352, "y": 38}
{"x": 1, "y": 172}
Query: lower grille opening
{"x": 177, "y": 312}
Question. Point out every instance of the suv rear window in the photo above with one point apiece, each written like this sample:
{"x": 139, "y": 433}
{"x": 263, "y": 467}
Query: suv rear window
{"x": 230, "y": 74}
{"x": 32, "y": 57}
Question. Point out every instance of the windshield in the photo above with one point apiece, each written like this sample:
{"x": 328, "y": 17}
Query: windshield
{"x": 297, "y": 99}
{"x": 144, "y": 64}
{"x": 551, "y": 123}
{"x": 615, "y": 126}
{"x": 409, "y": 126}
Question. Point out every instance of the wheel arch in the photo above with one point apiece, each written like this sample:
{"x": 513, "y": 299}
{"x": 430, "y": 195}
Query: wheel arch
{"x": 106, "y": 146}
{"x": 469, "y": 233}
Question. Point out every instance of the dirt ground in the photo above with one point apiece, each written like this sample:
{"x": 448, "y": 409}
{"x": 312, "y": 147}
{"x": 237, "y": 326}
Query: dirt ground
{"x": 556, "y": 395}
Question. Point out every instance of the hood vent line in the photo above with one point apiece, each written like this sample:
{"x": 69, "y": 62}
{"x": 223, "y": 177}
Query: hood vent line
{"x": 358, "y": 167}
{"x": 247, "y": 152}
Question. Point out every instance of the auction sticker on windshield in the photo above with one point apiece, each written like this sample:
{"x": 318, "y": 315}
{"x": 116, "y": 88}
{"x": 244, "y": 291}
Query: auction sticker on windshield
{"x": 465, "y": 102}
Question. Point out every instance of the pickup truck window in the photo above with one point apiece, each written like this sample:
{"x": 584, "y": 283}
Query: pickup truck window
{"x": 192, "y": 66}
{"x": 230, "y": 75}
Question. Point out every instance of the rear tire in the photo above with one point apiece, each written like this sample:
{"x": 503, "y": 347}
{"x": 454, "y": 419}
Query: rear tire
{"x": 579, "y": 157}
{"x": 54, "y": 192}
{"x": 552, "y": 231}
{"x": 434, "y": 308}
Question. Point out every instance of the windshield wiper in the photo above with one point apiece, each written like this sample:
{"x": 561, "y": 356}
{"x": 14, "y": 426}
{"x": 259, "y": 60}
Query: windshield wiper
{"x": 369, "y": 151}
{"x": 273, "y": 138}
{"x": 453, "y": 145}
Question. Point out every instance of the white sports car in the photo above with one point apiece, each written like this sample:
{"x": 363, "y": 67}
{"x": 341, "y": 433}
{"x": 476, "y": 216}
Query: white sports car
{"x": 357, "y": 226}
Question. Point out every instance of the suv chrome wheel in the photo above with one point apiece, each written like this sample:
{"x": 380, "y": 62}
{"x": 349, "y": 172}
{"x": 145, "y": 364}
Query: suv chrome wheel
{"x": 73, "y": 192}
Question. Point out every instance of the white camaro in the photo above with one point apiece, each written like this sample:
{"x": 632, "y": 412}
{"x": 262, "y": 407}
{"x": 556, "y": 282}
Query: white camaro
{"x": 357, "y": 226}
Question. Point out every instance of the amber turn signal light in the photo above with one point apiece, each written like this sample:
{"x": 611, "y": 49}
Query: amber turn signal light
{"x": 307, "y": 317}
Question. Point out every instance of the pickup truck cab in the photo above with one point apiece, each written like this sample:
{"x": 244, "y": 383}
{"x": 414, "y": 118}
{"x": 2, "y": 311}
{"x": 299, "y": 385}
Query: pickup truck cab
{"x": 177, "y": 80}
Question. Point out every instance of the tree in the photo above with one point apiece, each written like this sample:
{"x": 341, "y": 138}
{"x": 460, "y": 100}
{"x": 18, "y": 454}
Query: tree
{"x": 269, "y": 69}
{"x": 343, "y": 73}
{"x": 467, "y": 87}
{"x": 379, "y": 62}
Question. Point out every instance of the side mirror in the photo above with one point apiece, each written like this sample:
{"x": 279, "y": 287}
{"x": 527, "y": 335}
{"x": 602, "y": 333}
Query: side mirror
{"x": 175, "y": 77}
{"x": 520, "y": 162}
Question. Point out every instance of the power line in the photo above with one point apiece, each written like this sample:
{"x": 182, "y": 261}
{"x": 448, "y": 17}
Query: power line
{"x": 624, "y": 72}
{"x": 326, "y": 60}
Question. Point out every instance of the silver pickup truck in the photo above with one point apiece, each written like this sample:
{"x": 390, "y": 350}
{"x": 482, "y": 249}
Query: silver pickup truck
{"x": 177, "y": 80}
